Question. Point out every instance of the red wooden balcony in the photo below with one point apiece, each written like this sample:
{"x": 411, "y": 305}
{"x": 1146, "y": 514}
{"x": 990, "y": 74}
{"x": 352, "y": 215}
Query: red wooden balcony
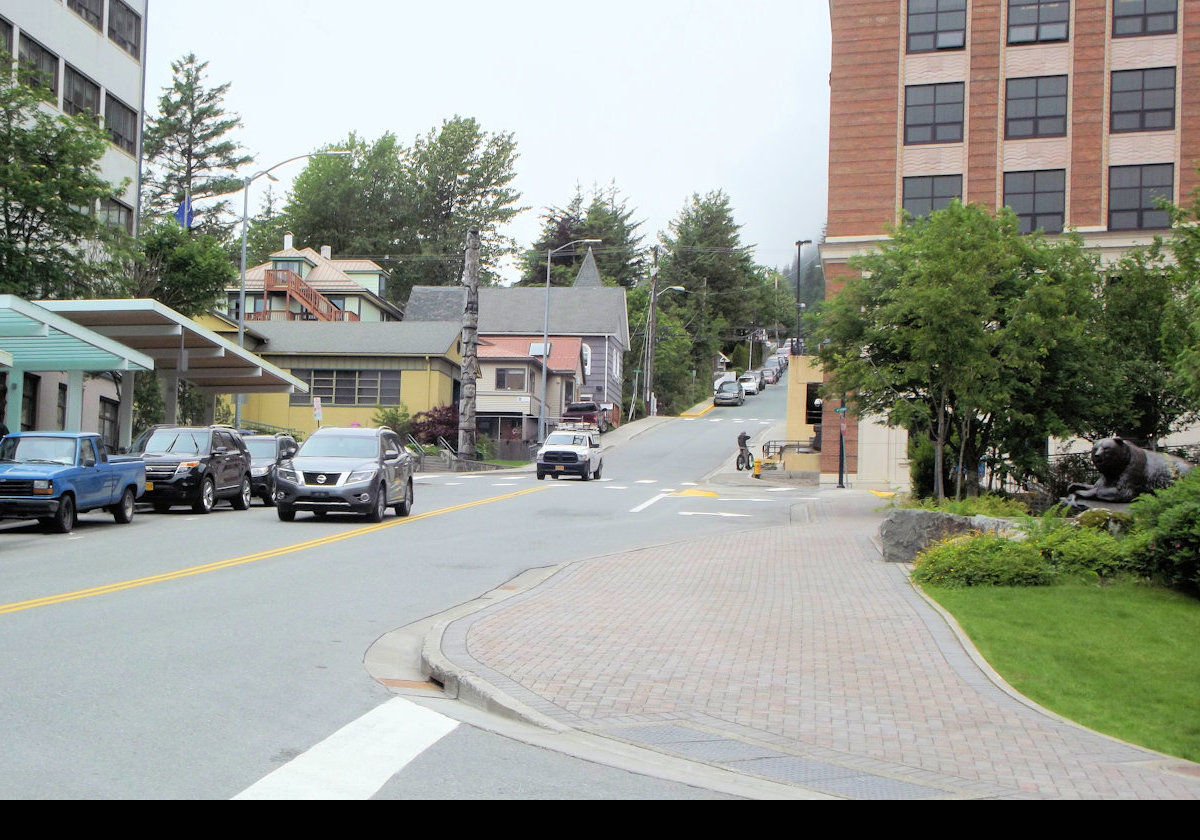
{"x": 315, "y": 306}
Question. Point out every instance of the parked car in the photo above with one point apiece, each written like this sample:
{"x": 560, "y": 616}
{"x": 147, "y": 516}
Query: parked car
{"x": 55, "y": 476}
{"x": 194, "y": 465}
{"x": 729, "y": 393}
{"x": 571, "y": 449}
{"x": 586, "y": 411}
{"x": 749, "y": 382}
{"x": 771, "y": 375}
{"x": 346, "y": 469}
{"x": 266, "y": 451}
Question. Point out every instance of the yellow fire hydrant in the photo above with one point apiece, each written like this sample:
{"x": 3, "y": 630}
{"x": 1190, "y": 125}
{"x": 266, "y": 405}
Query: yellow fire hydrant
{"x": 758, "y": 467}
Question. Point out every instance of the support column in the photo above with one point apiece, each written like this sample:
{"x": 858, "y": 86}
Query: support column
{"x": 14, "y": 398}
{"x": 73, "y": 421}
{"x": 168, "y": 385}
{"x": 125, "y": 411}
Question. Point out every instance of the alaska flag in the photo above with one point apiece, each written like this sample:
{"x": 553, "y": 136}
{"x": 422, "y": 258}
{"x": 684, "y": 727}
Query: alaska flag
{"x": 184, "y": 215}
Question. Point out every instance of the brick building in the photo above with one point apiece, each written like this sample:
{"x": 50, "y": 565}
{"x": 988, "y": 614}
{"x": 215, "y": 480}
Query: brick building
{"x": 1077, "y": 114}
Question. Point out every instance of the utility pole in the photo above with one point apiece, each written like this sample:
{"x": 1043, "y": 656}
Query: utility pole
{"x": 650, "y": 329}
{"x": 470, "y": 344}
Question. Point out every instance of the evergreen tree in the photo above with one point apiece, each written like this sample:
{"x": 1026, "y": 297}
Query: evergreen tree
{"x": 620, "y": 256}
{"x": 188, "y": 273}
{"x": 53, "y": 242}
{"x": 188, "y": 151}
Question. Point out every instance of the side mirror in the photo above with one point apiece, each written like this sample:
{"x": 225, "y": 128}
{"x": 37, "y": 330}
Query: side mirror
{"x": 595, "y": 444}
{"x": 390, "y": 454}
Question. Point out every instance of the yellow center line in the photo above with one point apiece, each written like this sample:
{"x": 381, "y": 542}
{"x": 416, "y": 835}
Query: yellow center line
{"x": 249, "y": 558}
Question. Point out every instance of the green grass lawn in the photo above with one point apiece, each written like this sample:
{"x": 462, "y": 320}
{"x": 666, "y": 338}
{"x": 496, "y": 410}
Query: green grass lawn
{"x": 1119, "y": 659}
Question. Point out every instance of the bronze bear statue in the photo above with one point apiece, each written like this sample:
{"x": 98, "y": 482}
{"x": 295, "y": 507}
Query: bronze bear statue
{"x": 1127, "y": 471}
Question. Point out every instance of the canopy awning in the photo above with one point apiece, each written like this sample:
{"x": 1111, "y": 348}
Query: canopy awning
{"x": 35, "y": 338}
{"x": 178, "y": 345}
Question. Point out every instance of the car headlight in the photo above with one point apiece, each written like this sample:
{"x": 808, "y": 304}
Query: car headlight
{"x": 361, "y": 475}
{"x": 185, "y": 467}
{"x": 43, "y": 487}
{"x": 287, "y": 475}
{"x": 258, "y": 472}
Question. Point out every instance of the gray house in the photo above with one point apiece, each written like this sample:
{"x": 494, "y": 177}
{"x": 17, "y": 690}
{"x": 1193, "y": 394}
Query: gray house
{"x": 588, "y": 310}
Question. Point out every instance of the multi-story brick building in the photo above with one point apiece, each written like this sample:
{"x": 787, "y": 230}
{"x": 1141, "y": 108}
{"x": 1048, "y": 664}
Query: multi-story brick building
{"x": 1077, "y": 114}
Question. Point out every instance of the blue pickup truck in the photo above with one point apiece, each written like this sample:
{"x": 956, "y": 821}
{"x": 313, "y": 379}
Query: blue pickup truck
{"x": 55, "y": 476}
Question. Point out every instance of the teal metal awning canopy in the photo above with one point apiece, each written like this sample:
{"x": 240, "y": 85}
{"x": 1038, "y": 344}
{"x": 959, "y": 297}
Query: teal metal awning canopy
{"x": 33, "y": 338}
{"x": 179, "y": 346}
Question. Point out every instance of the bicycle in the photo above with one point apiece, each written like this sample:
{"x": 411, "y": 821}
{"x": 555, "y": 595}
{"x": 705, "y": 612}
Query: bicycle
{"x": 745, "y": 460}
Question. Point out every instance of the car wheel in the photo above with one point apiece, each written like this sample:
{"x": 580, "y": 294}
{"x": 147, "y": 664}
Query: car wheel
{"x": 268, "y": 498}
{"x": 208, "y": 497}
{"x": 599, "y": 467}
{"x": 242, "y": 500}
{"x": 405, "y": 507}
{"x": 379, "y": 508}
{"x": 63, "y": 522}
{"x": 285, "y": 514}
{"x": 554, "y": 476}
{"x": 541, "y": 476}
{"x": 587, "y": 472}
{"x": 122, "y": 511}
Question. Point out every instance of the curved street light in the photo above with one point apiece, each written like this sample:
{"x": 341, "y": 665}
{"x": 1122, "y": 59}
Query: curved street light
{"x": 546, "y": 336}
{"x": 241, "y": 319}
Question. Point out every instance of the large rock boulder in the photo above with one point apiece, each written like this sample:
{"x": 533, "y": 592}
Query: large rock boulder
{"x": 906, "y": 532}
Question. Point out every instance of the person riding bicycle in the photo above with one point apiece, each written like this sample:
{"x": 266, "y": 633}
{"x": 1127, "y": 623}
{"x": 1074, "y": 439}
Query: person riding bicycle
{"x": 743, "y": 437}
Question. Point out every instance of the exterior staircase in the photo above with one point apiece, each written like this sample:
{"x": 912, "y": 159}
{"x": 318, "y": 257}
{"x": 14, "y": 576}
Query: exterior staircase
{"x": 314, "y": 306}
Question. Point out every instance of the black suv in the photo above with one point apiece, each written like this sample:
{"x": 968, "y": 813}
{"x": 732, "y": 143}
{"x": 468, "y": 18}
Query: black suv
{"x": 194, "y": 465}
{"x": 346, "y": 470}
{"x": 266, "y": 451}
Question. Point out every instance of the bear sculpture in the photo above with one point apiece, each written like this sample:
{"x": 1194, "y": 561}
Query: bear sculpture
{"x": 1127, "y": 471}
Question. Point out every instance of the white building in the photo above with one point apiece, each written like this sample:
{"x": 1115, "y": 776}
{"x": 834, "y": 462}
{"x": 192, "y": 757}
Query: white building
{"x": 92, "y": 53}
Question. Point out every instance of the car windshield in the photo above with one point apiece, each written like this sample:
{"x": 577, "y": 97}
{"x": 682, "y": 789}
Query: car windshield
{"x": 340, "y": 446}
{"x": 728, "y": 386}
{"x": 261, "y": 449}
{"x": 55, "y": 450}
{"x": 566, "y": 439}
{"x": 176, "y": 441}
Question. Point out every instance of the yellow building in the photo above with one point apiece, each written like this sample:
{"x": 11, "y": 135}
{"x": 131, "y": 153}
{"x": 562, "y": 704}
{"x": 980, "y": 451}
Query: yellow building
{"x": 352, "y": 368}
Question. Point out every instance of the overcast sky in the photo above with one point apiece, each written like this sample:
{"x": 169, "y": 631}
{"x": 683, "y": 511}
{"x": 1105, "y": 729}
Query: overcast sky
{"x": 664, "y": 98}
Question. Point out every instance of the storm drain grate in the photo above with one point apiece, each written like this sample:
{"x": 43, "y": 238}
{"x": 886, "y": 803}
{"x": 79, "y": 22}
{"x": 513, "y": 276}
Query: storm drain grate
{"x": 722, "y": 750}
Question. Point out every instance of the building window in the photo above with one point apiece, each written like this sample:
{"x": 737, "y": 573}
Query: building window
{"x": 1038, "y": 198}
{"x": 926, "y": 193}
{"x": 1143, "y": 100}
{"x": 90, "y": 10}
{"x": 39, "y": 64}
{"x": 1037, "y": 21}
{"x": 1144, "y": 17}
{"x": 510, "y": 379}
{"x": 587, "y": 360}
{"x": 115, "y": 214}
{"x": 122, "y": 123}
{"x": 936, "y": 25}
{"x": 29, "y": 403}
{"x": 6, "y": 37}
{"x": 125, "y": 28}
{"x": 1035, "y": 107}
{"x": 80, "y": 94}
{"x": 349, "y": 387}
{"x": 812, "y": 404}
{"x": 61, "y": 410}
{"x": 1133, "y": 193}
{"x": 933, "y": 113}
{"x": 108, "y": 423}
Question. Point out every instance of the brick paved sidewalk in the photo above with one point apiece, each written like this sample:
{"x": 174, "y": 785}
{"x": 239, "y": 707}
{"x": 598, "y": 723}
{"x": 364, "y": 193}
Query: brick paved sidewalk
{"x": 796, "y": 655}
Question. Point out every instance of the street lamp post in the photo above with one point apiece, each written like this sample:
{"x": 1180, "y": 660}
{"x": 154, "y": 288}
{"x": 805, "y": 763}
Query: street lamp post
{"x": 651, "y": 329}
{"x": 241, "y": 319}
{"x": 799, "y": 304}
{"x": 546, "y": 337}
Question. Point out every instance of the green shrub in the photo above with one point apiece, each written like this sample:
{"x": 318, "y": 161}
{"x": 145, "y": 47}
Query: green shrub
{"x": 983, "y": 560}
{"x": 395, "y": 418}
{"x": 485, "y": 448}
{"x": 1167, "y": 523}
{"x": 1077, "y": 550}
{"x": 987, "y": 504}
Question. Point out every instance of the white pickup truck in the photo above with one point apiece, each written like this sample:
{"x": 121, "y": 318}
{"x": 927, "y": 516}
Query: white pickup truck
{"x": 571, "y": 449}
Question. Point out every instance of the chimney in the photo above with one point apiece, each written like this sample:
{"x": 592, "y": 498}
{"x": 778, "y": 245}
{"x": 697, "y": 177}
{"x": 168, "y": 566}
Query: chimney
{"x": 327, "y": 252}
{"x": 287, "y": 242}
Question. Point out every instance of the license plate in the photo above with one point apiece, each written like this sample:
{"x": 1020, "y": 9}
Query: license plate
{"x": 559, "y": 468}
{"x": 149, "y": 485}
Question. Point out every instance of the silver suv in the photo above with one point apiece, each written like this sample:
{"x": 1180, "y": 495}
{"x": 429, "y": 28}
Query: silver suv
{"x": 346, "y": 470}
